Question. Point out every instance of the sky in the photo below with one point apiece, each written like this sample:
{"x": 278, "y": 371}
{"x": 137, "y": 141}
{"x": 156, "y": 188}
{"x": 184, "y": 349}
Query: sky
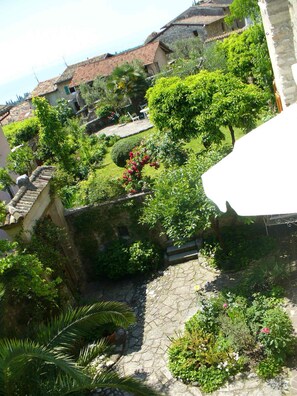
{"x": 39, "y": 36}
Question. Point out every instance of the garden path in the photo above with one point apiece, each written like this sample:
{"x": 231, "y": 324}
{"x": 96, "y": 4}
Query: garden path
{"x": 162, "y": 306}
{"x": 125, "y": 130}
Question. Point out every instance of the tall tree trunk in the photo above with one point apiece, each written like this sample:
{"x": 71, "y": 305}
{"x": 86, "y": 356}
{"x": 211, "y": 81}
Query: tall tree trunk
{"x": 232, "y": 132}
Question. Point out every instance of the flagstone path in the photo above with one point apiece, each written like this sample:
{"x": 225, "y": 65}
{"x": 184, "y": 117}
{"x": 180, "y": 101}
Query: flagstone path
{"x": 162, "y": 305}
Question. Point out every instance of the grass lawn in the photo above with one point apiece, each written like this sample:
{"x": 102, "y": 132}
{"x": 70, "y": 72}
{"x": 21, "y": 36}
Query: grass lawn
{"x": 111, "y": 170}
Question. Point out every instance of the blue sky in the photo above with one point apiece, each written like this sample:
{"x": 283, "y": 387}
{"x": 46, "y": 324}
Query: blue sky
{"x": 37, "y": 34}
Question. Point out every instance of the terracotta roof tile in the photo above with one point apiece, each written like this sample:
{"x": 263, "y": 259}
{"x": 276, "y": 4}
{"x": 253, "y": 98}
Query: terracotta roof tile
{"x": 18, "y": 113}
{"x": 146, "y": 54}
{"x": 25, "y": 198}
{"x": 69, "y": 71}
{"x": 44, "y": 87}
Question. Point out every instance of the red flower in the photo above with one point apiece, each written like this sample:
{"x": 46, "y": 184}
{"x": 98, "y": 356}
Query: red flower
{"x": 131, "y": 155}
{"x": 265, "y": 330}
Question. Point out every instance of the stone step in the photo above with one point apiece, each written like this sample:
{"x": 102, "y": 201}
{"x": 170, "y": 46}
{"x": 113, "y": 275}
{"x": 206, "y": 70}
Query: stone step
{"x": 191, "y": 245}
{"x": 182, "y": 257}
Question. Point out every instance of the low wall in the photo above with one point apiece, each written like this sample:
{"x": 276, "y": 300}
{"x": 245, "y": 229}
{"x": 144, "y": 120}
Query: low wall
{"x": 93, "y": 227}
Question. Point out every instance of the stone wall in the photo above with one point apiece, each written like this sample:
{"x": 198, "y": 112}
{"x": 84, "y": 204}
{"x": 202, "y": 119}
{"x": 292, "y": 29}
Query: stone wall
{"x": 279, "y": 19}
{"x": 94, "y": 227}
{"x": 178, "y": 32}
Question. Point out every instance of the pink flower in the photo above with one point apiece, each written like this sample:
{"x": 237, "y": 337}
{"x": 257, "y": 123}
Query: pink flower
{"x": 225, "y": 305}
{"x": 265, "y": 330}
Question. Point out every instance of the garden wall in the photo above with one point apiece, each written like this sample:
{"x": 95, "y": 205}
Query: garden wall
{"x": 94, "y": 227}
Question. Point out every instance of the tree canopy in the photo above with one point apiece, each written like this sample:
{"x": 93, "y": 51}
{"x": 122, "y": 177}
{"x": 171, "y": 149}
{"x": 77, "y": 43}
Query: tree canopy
{"x": 240, "y": 9}
{"x": 179, "y": 202}
{"x": 247, "y": 56}
{"x": 202, "y": 104}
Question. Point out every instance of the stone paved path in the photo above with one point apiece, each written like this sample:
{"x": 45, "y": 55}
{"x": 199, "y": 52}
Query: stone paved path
{"x": 162, "y": 305}
{"x": 125, "y": 130}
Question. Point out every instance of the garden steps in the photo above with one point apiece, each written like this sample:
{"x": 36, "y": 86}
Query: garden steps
{"x": 185, "y": 252}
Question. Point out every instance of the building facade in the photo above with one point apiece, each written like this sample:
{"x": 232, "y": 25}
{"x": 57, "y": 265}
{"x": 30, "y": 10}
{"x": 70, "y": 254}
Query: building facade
{"x": 280, "y": 24}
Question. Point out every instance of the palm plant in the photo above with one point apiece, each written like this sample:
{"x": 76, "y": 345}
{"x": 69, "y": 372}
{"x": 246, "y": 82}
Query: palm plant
{"x": 57, "y": 362}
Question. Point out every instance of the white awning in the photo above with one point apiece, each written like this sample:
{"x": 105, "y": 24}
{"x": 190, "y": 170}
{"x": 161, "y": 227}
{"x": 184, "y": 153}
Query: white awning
{"x": 259, "y": 177}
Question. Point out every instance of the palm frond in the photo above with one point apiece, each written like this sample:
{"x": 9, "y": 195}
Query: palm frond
{"x": 111, "y": 380}
{"x": 91, "y": 351}
{"x": 15, "y": 355}
{"x": 78, "y": 322}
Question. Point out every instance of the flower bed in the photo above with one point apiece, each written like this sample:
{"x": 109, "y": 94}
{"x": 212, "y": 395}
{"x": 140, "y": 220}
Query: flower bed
{"x": 231, "y": 334}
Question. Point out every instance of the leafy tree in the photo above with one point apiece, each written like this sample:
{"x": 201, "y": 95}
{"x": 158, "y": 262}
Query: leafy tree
{"x": 202, "y": 104}
{"x": 178, "y": 201}
{"x": 247, "y": 56}
{"x": 98, "y": 90}
{"x": 21, "y": 160}
{"x": 240, "y": 9}
{"x": 58, "y": 361}
{"x": 187, "y": 57}
{"x": 52, "y": 138}
{"x": 5, "y": 181}
{"x": 65, "y": 112}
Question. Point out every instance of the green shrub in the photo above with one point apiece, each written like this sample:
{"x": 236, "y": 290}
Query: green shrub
{"x": 21, "y": 131}
{"x": 103, "y": 110}
{"x": 124, "y": 119}
{"x": 120, "y": 151}
{"x": 277, "y": 332}
{"x": 269, "y": 367}
{"x": 113, "y": 261}
{"x": 143, "y": 258}
{"x": 226, "y": 334}
{"x": 241, "y": 245}
{"x": 119, "y": 259}
{"x": 98, "y": 189}
{"x": 198, "y": 357}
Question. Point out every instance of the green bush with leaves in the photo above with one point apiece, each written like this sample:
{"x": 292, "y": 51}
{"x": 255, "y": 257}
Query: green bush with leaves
{"x": 230, "y": 334}
{"x": 161, "y": 147}
{"x": 121, "y": 259}
{"x": 30, "y": 290}
{"x": 179, "y": 202}
{"x": 238, "y": 247}
{"x": 98, "y": 188}
{"x": 122, "y": 148}
{"x": 21, "y": 160}
{"x": 21, "y": 131}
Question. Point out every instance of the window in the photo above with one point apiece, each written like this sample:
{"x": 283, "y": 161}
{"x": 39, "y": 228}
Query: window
{"x": 123, "y": 232}
{"x": 195, "y": 32}
{"x": 66, "y": 89}
{"x": 72, "y": 89}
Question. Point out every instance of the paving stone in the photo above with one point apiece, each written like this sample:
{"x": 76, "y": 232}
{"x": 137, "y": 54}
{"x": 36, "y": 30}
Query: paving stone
{"x": 162, "y": 306}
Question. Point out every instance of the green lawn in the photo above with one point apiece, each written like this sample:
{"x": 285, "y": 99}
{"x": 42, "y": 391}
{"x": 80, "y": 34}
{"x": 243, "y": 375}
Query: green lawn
{"x": 110, "y": 169}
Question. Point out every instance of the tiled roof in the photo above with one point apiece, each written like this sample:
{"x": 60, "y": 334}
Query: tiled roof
{"x": 225, "y": 35}
{"x": 18, "y": 113}
{"x": 146, "y": 54}
{"x": 200, "y": 20}
{"x": 25, "y": 198}
{"x": 44, "y": 87}
{"x": 4, "y": 109}
{"x": 69, "y": 71}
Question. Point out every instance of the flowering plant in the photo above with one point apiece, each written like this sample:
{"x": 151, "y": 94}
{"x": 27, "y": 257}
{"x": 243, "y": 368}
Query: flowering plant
{"x": 132, "y": 176}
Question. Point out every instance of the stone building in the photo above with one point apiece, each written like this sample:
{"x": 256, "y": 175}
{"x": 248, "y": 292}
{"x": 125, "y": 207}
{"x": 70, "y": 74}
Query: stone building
{"x": 205, "y": 20}
{"x": 280, "y": 24}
